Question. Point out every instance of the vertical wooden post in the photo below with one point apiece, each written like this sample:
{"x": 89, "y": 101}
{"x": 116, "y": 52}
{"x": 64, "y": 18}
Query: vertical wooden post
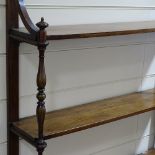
{"x": 12, "y": 59}
{"x": 41, "y": 83}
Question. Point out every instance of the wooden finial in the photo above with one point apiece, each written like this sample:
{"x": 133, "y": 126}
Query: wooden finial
{"x": 42, "y": 24}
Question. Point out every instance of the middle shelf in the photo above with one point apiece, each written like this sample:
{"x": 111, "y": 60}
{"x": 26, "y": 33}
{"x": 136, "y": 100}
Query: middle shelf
{"x": 73, "y": 119}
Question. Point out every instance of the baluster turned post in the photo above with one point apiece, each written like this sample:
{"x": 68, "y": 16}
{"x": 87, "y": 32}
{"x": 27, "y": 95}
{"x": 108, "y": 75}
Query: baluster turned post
{"x": 41, "y": 83}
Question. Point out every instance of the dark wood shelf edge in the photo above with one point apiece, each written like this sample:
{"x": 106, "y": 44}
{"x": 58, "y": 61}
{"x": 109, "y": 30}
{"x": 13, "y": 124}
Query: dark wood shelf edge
{"x": 23, "y": 135}
{"x": 24, "y": 36}
{"x": 98, "y": 34}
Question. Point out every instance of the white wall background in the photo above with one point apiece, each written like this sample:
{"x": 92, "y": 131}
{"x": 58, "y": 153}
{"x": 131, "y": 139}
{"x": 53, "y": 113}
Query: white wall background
{"x": 84, "y": 70}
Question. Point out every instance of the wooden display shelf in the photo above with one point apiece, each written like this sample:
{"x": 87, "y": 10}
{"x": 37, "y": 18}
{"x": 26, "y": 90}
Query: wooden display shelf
{"x": 37, "y": 129}
{"x": 88, "y": 30}
{"x": 65, "y": 121}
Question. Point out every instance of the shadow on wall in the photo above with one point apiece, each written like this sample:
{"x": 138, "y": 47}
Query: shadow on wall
{"x": 80, "y": 75}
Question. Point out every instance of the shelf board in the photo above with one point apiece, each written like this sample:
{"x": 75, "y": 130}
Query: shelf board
{"x": 73, "y": 119}
{"x": 99, "y": 30}
{"x": 88, "y": 30}
{"x": 150, "y": 152}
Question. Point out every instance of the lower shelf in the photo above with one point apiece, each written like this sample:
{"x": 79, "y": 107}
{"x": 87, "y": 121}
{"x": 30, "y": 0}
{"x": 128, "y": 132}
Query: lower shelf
{"x": 150, "y": 152}
{"x": 65, "y": 121}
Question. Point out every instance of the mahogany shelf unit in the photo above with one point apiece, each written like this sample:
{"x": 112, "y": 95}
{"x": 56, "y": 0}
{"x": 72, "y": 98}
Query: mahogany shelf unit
{"x": 36, "y": 129}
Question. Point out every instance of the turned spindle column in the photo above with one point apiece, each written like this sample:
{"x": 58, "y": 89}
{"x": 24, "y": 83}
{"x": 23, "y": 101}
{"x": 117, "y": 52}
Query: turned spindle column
{"x": 41, "y": 83}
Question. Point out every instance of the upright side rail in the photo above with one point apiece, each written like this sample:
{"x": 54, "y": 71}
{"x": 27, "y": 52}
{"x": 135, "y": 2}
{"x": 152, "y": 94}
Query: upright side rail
{"x": 12, "y": 60}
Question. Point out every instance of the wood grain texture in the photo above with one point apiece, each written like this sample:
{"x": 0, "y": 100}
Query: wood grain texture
{"x": 41, "y": 83}
{"x": 69, "y": 120}
{"x": 150, "y": 152}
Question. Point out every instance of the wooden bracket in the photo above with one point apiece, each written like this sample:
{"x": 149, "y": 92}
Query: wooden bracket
{"x": 33, "y": 30}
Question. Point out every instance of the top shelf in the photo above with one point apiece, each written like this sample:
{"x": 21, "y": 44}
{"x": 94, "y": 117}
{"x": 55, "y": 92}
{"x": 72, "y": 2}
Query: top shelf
{"x": 99, "y": 30}
{"x": 88, "y": 30}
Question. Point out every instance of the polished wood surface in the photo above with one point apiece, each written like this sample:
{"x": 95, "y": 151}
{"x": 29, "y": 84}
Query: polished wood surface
{"x": 151, "y": 152}
{"x": 12, "y": 63}
{"x": 41, "y": 83}
{"x": 65, "y": 121}
{"x": 38, "y": 128}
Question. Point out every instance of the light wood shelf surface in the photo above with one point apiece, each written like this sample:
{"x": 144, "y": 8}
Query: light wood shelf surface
{"x": 150, "y": 152}
{"x": 73, "y": 119}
